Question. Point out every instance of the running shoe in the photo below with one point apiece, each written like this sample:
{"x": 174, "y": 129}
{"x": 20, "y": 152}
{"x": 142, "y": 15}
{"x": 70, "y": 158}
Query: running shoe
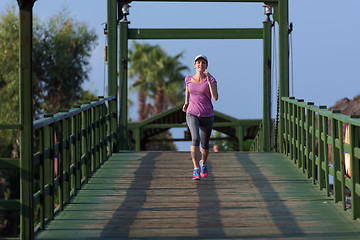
{"x": 196, "y": 175}
{"x": 204, "y": 171}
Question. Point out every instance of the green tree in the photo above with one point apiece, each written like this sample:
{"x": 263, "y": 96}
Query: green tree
{"x": 61, "y": 58}
{"x": 167, "y": 82}
{"x": 139, "y": 68}
{"x": 9, "y": 74}
{"x": 158, "y": 77}
{"x": 61, "y": 49}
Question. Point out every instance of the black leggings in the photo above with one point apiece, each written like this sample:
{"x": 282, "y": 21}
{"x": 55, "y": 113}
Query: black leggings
{"x": 205, "y": 124}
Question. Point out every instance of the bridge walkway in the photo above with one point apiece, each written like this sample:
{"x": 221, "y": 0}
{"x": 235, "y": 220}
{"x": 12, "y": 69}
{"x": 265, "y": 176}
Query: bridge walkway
{"x": 247, "y": 195}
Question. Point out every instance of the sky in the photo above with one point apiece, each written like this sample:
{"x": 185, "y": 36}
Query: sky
{"x": 324, "y": 54}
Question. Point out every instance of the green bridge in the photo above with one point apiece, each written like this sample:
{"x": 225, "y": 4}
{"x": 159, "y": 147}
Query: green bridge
{"x": 87, "y": 176}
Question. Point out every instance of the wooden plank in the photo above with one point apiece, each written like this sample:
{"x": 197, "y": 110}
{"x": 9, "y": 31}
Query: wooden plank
{"x": 247, "y": 195}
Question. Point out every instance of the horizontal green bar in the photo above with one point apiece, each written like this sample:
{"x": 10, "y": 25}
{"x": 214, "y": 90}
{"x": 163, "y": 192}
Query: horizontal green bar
{"x": 10, "y": 126}
{"x": 37, "y": 198}
{"x": 357, "y": 152}
{"x": 337, "y": 143}
{"x": 10, "y": 205}
{"x": 245, "y": 1}
{"x": 9, "y": 163}
{"x": 357, "y": 189}
{"x": 331, "y": 171}
{"x": 72, "y": 169}
{"x": 63, "y": 115}
{"x": 47, "y": 153}
{"x": 324, "y": 112}
{"x": 56, "y": 183}
{"x": 36, "y": 159}
{"x": 82, "y": 160}
{"x": 47, "y": 190}
{"x": 347, "y": 148}
{"x": 166, "y": 33}
{"x": 348, "y": 183}
{"x": 181, "y": 125}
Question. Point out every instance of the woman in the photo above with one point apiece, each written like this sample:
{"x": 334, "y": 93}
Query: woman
{"x": 200, "y": 88}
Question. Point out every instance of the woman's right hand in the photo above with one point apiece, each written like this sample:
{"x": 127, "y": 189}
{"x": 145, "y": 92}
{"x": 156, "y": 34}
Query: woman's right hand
{"x": 185, "y": 107}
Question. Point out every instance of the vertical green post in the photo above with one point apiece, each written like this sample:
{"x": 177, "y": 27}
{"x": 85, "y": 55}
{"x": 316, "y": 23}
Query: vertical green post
{"x": 77, "y": 160}
{"x": 123, "y": 61}
{"x": 65, "y": 161}
{"x": 302, "y": 137}
{"x": 240, "y": 137}
{"x": 326, "y": 155}
{"x": 102, "y": 133}
{"x": 336, "y": 155}
{"x": 283, "y": 115}
{"x": 293, "y": 131}
{"x": 283, "y": 60}
{"x": 137, "y": 135}
{"x": 354, "y": 166}
{"x": 266, "y": 85}
{"x": 26, "y": 118}
{"x": 342, "y": 166}
{"x": 298, "y": 135}
{"x": 321, "y": 150}
{"x": 48, "y": 200}
{"x": 97, "y": 136}
{"x": 308, "y": 141}
{"x": 84, "y": 144}
{"x": 313, "y": 135}
{"x": 93, "y": 139}
{"x": 112, "y": 64}
{"x": 41, "y": 176}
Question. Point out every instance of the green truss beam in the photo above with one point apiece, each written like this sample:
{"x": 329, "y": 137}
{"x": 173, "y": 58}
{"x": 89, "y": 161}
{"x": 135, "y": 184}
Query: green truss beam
{"x": 231, "y": 33}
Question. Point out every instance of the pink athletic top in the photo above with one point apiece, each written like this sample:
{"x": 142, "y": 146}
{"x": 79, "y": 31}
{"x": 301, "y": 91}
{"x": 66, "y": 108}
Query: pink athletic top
{"x": 200, "y": 98}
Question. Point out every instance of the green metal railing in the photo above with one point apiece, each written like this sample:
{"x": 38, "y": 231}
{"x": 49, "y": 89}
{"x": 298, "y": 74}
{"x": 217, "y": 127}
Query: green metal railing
{"x": 69, "y": 146}
{"x": 72, "y": 144}
{"x": 314, "y": 139}
{"x": 256, "y": 145}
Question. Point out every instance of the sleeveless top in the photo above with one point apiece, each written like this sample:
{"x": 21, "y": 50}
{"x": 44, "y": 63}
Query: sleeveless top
{"x": 199, "y": 98}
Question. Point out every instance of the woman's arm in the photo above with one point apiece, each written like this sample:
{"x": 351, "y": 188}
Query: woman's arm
{"x": 212, "y": 86}
{"x": 186, "y": 104}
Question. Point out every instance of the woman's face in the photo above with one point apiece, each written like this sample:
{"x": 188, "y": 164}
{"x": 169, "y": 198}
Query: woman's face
{"x": 200, "y": 65}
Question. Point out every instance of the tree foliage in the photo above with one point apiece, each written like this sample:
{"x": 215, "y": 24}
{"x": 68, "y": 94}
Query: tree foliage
{"x": 61, "y": 50}
{"x": 160, "y": 85}
{"x": 61, "y": 53}
{"x": 9, "y": 86}
{"x": 158, "y": 77}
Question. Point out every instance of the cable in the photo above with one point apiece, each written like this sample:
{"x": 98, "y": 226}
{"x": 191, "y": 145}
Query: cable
{"x": 278, "y": 91}
{"x": 105, "y": 56}
{"x": 292, "y": 60}
{"x": 105, "y": 61}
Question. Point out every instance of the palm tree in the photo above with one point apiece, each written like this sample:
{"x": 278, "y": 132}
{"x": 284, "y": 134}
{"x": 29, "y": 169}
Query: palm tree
{"x": 139, "y": 67}
{"x": 167, "y": 82}
{"x": 158, "y": 77}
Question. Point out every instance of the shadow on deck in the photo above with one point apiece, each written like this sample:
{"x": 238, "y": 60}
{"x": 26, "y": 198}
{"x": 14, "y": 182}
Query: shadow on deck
{"x": 247, "y": 195}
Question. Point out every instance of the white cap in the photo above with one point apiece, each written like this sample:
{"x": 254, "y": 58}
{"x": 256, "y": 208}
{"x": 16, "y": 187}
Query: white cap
{"x": 201, "y": 56}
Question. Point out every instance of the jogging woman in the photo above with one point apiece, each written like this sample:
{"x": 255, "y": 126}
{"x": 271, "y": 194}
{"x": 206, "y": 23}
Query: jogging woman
{"x": 200, "y": 88}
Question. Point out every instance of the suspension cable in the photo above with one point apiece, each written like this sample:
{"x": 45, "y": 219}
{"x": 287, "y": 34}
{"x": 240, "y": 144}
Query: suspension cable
{"x": 277, "y": 87}
{"x": 105, "y": 57}
{"x": 292, "y": 60}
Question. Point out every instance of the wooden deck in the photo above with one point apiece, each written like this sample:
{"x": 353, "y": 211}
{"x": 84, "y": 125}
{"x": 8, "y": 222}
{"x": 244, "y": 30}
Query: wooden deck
{"x": 246, "y": 196}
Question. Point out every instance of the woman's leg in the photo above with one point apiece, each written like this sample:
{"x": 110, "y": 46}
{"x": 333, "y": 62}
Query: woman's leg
{"x": 193, "y": 124}
{"x": 195, "y": 155}
{"x": 204, "y": 155}
{"x": 206, "y": 128}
